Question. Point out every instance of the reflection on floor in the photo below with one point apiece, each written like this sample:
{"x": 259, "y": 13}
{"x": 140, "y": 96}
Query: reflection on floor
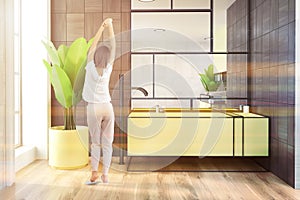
{"x": 193, "y": 164}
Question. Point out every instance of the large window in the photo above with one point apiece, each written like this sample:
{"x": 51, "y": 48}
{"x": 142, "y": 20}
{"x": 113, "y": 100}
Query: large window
{"x": 17, "y": 74}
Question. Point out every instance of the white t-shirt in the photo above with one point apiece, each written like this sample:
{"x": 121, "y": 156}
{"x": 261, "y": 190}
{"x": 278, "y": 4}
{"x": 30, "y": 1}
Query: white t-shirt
{"x": 96, "y": 87}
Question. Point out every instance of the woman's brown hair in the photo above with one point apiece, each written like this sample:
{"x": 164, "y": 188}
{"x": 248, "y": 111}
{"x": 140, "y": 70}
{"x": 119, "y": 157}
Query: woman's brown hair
{"x": 101, "y": 56}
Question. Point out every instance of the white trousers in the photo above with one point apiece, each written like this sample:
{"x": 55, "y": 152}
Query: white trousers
{"x": 100, "y": 119}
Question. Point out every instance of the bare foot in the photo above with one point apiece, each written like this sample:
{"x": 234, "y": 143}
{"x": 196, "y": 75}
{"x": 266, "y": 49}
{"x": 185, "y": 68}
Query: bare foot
{"x": 94, "y": 176}
{"x": 104, "y": 178}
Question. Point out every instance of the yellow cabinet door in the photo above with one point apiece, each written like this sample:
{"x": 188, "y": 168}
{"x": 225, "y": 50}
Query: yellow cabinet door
{"x": 256, "y": 137}
{"x": 180, "y": 136}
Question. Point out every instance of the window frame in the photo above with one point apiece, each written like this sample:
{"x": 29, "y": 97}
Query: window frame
{"x": 17, "y": 73}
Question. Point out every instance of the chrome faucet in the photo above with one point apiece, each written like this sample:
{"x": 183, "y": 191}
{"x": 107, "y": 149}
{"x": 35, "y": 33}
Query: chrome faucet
{"x": 143, "y": 90}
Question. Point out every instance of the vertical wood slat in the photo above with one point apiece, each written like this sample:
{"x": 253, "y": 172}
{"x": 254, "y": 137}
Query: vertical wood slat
{"x": 75, "y": 26}
{"x": 93, "y": 6}
{"x": 58, "y": 27}
{"x": 125, "y": 27}
{"x": 75, "y": 6}
{"x": 126, "y": 6}
{"x": 58, "y": 6}
{"x": 112, "y": 6}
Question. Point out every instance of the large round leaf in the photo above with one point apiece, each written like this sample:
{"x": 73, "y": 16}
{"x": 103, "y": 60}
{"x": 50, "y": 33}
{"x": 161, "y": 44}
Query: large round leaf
{"x": 52, "y": 53}
{"x": 75, "y": 58}
{"x": 62, "y": 86}
{"x": 62, "y": 53}
{"x": 78, "y": 85}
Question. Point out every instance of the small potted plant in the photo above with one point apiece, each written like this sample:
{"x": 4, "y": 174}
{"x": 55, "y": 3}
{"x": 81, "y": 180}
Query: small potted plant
{"x": 208, "y": 80}
{"x": 68, "y": 144}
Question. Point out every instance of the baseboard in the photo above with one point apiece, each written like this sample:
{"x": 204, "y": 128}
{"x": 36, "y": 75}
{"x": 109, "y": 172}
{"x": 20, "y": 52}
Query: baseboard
{"x": 24, "y": 155}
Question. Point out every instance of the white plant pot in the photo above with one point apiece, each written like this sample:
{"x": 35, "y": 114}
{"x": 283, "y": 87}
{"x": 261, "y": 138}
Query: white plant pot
{"x": 68, "y": 149}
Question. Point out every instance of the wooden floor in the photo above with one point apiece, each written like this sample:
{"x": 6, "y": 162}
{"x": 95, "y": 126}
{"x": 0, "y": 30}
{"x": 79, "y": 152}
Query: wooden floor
{"x": 38, "y": 181}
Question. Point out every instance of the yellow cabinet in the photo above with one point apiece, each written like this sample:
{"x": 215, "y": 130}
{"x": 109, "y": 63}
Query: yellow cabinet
{"x": 197, "y": 134}
{"x": 252, "y": 135}
{"x": 180, "y": 134}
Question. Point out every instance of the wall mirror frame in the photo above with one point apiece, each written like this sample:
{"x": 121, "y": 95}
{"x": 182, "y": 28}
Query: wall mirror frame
{"x": 154, "y": 50}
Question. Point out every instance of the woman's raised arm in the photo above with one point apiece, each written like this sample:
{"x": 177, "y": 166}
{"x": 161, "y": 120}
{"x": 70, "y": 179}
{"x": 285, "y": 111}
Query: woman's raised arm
{"x": 97, "y": 37}
{"x": 112, "y": 41}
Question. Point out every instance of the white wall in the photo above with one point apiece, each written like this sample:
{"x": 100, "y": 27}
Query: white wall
{"x": 297, "y": 99}
{"x": 35, "y": 98}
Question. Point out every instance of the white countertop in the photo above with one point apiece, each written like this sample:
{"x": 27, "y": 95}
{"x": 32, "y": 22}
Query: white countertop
{"x": 140, "y": 114}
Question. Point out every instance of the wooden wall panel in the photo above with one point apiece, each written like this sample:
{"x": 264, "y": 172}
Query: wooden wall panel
{"x": 126, "y": 20}
{"x": 292, "y": 10}
{"x": 274, "y": 48}
{"x": 291, "y": 125}
{"x": 283, "y": 84}
{"x": 112, "y": 6}
{"x": 237, "y": 71}
{"x": 117, "y": 63}
{"x": 59, "y": 27}
{"x": 283, "y": 42}
{"x": 274, "y": 14}
{"x": 274, "y": 159}
{"x": 92, "y": 24}
{"x": 292, "y": 39}
{"x": 126, "y": 57}
{"x": 271, "y": 74}
{"x": 283, "y": 12}
{"x": 59, "y": 6}
{"x": 75, "y": 6}
{"x": 282, "y": 160}
{"x": 75, "y": 26}
{"x": 258, "y": 2}
{"x": 275, "y": 36}
{"x": 266, "y": 16}
{"x": 291, "y": 166}
{"x": 126, "y": 5}
{"x": 93, "y": 6}
{"x": 291, "y": 84}
{"x": 265, "y": 84}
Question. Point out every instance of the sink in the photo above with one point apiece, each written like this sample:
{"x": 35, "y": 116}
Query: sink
{"x": 184, "y": 110}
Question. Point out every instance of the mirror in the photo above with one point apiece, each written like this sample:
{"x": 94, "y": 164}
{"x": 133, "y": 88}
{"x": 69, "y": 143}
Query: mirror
{"x": 167, "y": 4}
{"x": 171, "y": 47}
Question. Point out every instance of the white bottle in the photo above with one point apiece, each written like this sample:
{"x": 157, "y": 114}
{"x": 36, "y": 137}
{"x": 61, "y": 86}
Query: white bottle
{"x": 245, "y": 109}
{"x": 157, "y": 108}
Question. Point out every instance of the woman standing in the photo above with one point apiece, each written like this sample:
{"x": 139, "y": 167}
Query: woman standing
{"x": 100, "y": 114}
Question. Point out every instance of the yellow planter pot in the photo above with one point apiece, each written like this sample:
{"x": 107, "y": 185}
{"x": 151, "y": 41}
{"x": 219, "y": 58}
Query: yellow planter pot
{"x": 68, "y": 149}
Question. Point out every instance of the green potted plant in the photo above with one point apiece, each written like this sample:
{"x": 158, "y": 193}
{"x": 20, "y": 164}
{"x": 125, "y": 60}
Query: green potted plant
{"x": 68, "y": 144}
{"x": 208, "y": 79}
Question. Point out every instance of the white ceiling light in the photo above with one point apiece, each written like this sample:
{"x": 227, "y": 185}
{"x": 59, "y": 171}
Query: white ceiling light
{"x": 159, "y": 30}
{"x": 146, "y": 0}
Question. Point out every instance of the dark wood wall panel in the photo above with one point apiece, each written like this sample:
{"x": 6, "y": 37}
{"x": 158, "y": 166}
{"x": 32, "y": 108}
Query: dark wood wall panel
{"x": 272, "y": 76}
{"x": 237, "y": 41}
